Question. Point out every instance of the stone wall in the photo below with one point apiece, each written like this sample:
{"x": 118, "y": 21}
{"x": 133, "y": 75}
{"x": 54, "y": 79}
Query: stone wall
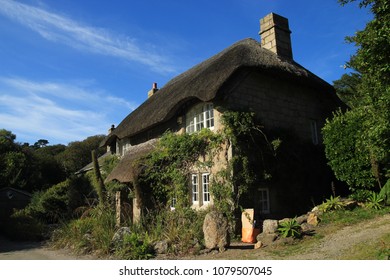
{"x": 280, "y": 104}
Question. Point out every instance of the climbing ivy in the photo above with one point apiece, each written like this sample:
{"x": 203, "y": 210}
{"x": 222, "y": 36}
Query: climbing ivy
{"x": 167, "y": 167}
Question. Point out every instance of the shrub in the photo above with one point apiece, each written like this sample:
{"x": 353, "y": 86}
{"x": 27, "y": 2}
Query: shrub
{"x": 59, "y": 201}
{"x": 134, "y": 247}
{"x": 182, "y": 229}
{"x": 21, "y": 226}
{"x": 332, "y": 203}
{"x": 360, "y": 195}
{"x": 385, "y": 193}
{"x": 374, "y": 201}
{"x": 93, "y": 232}
{"x": 290, "y": 228}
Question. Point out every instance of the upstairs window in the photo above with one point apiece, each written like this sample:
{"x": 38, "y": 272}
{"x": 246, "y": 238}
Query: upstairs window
{"x": 201, "y": 116}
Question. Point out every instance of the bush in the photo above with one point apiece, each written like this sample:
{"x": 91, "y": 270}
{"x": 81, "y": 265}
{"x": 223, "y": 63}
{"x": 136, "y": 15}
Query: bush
{"x": 93, "y": 232}
{"x": 375, "y": 201}
{"x": 290, "y": 228}
{"x": 59, "y": 201}
{"x": 182, "y": 229}
{"x": 134, "y": 247}
{"x": 332, "y": 203}
{"x": 347, "y": 151}
{"x": 385, "y": 193}
{"x": 360, "y": 195}
{"x": 23, "y": 227}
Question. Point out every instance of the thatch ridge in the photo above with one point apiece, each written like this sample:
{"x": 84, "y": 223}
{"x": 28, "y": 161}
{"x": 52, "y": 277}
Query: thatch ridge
{"x": 203, "y": 81}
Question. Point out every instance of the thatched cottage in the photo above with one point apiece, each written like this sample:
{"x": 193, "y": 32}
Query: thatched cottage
{"x": 248, "y": 75}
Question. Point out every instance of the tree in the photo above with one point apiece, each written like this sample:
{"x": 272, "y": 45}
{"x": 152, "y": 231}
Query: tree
{"x": 369, "y": 116}
{"x": 78, "y": 154}
{"x": 41, "y": 143}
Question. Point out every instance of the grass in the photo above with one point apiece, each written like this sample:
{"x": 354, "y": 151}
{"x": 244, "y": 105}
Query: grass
{"x": 378, "y": 250}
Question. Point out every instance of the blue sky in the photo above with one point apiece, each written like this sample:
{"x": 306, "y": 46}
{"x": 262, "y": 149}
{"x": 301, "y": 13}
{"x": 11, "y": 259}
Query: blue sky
{"x": 70, "y": 69}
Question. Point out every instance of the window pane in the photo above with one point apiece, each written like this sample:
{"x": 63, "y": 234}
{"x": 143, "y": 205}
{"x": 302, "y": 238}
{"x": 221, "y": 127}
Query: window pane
{"x": 205, "y": 187}
{"x": 195, "y": 188}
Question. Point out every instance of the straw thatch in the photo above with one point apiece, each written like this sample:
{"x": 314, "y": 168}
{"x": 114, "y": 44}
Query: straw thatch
{"x": 129, "y": 167}
{"x": 204, "y": 80}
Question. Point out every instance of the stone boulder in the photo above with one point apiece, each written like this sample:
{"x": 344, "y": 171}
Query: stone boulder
{"x": 313, "y": 219}
{"x": 266, "y": 238}
{"x": 216, "y": 231}
{"x": 302, "y": 219}
{"x": 120, "y": 235}
{"x": 270, "y": 226}
{"x": 258, "y": 245}
{"x": 161, "y": 247}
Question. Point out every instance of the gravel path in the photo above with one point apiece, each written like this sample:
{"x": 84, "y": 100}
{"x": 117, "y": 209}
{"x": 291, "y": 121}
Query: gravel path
{"x": 10, "y": 250}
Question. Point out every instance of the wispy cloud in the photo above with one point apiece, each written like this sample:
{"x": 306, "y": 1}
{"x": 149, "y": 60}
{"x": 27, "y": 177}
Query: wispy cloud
{"x": 64, "y": 30}
{"x": 57, "y": 111}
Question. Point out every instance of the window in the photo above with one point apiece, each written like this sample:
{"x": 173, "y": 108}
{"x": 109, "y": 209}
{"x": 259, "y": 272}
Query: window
{"x": 195, "y": 188}
{"x": 201, "y": 116}
{"x": 205, "y": 187}
{"x": 264, "y": 201}
{"x": 314, "y": 132}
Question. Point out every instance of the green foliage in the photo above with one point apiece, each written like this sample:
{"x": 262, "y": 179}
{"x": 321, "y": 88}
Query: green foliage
{"x": 23, "y": 227}
{"x": 375, "y": 201}
{"x": 332, "y": 203}
{"x": 360, "y": 195}
{"x": 167, "y": 167}
{"x": 347, "y": 89}
{"x": 385, "y": 193}
{"x": 134, "y": 248}
{"x": 370, "y": 141}
{"x": 93, "y": 232}
{"x": 78, "y": 153}
{"x": 290, "y": 228}
{"x": 59, "y": 201}
{"x": 346, "y": 151}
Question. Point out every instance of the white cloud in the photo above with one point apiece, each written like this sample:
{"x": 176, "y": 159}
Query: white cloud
{"x": 62, "y": 29}
{"x": 58, "y": 112}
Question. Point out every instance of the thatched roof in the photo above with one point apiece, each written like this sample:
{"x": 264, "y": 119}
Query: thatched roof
{"x": 204, "y": 80}
{"x": 129, "y": 168}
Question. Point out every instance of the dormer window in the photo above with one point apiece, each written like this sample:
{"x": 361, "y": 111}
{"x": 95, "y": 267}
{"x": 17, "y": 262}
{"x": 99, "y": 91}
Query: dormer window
{"x": 200, "y": 116}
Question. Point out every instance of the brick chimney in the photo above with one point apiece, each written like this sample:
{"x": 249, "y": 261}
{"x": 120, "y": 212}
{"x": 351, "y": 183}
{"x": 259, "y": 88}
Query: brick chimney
{"x": 275, "y": 35}
{"x": 153, "y": 90}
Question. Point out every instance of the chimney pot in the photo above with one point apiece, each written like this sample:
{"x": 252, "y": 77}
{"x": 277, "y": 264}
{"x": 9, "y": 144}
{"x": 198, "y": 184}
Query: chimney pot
{"x": 153, "y": 90}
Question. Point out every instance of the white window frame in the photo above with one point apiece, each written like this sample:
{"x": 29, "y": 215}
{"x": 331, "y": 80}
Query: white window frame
{"x": 264, "y": 202}
{"x": 206, "y": 188}
{"x": 199, "y": 117}
{"x": 195, "y": 188}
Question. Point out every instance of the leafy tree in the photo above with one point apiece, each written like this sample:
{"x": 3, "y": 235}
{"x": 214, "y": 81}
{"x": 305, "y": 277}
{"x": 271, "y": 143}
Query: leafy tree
{"x": 41, "y": 143}
{"x": 346, "y": 88}
{"x": 78, "y": 154}
{"x": 369, "y": 117}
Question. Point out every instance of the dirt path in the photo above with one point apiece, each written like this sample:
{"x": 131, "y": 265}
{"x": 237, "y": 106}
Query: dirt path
{"x": 335, "y": 245}
{"x": 332, "y": 247}
{"x": 10, "y": 250}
